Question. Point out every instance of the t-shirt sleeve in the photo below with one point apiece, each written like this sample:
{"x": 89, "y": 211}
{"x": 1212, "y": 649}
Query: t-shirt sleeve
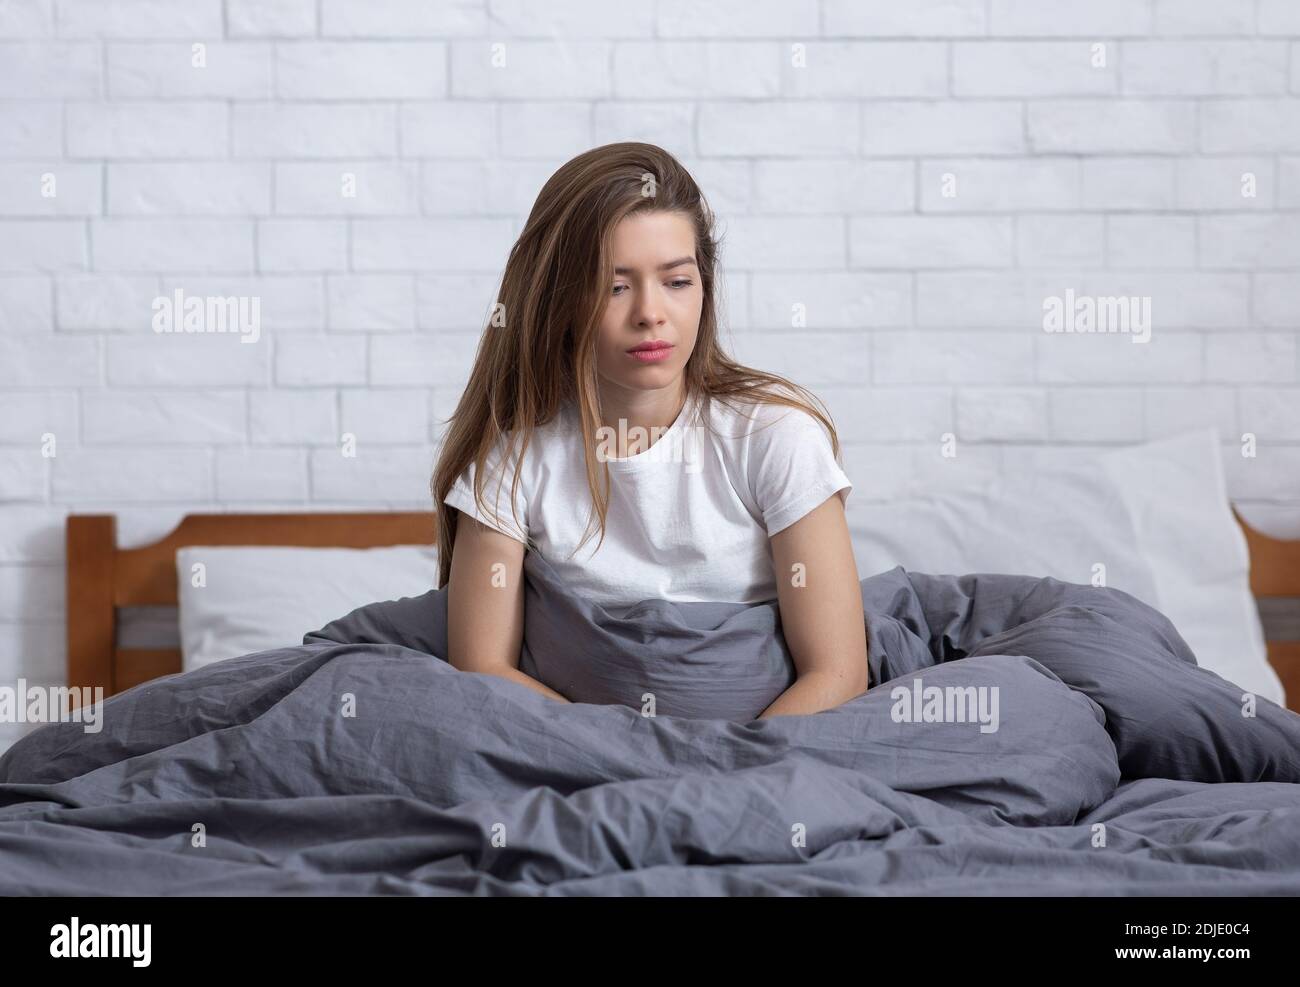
{"x": 792, "y": 466}
{"x": 496, "y": 493}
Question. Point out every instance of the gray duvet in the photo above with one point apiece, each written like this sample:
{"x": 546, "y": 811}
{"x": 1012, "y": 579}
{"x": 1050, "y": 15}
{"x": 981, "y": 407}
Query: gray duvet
{"x": 1020, "y": 736}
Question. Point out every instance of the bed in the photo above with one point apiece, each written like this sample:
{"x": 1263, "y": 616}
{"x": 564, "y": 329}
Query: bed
{"x": 103, "y": 579}
{"x": 1024, "y": 735}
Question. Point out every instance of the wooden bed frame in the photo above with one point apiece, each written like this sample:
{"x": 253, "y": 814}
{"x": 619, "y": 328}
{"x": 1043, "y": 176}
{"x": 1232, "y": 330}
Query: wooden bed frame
{"x": 102, "y": 577}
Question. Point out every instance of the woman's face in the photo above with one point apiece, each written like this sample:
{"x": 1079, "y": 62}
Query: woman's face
{"x": 653, "y": 315}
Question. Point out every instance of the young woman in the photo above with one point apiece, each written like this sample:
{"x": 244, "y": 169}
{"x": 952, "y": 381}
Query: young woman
{"x": 604, "y": 344}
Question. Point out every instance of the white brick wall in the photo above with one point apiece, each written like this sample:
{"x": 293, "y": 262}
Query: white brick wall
{"x": 1098, "y": 146}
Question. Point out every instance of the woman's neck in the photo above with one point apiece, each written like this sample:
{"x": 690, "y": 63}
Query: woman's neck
{"x": 651, "y": 411}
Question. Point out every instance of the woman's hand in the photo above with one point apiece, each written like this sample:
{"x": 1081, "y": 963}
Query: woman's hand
{"x": 820, "y": 598}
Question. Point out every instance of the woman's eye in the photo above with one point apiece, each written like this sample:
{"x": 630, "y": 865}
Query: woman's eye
{"x": 677, "y": 283}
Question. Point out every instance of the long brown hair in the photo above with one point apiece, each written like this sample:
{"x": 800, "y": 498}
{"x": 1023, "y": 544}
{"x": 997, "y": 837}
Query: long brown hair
{"x": 538, "y": 349}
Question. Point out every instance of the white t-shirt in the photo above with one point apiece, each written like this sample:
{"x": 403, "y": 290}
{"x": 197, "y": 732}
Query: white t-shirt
{"x": 689, "y": 517}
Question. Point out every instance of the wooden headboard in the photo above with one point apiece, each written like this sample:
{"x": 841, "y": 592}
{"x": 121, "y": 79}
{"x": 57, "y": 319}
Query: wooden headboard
{"x": 1275, "y": 582}
{"x": 102, "y": 577}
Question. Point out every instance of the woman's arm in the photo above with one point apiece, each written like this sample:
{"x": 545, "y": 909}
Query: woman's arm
{"x": 485, "y": 604}
{"x": 821, "y": 611}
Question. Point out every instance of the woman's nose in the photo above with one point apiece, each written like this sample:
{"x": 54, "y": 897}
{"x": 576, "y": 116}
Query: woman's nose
{"x": 649, "y": 311}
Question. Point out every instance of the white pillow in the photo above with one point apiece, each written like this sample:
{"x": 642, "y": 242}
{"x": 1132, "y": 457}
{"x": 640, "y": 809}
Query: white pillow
{"x": 1156, "y": 515}
{"x": 257, "y": 597}
{"x": 1178, "y": 500}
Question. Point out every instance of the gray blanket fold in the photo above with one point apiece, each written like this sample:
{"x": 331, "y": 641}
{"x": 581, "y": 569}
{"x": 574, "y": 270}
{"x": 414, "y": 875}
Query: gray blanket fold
{"x": 1042, "y": 735}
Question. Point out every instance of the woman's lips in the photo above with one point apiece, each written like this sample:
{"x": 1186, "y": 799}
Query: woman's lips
{"x": 652, "y": 354}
